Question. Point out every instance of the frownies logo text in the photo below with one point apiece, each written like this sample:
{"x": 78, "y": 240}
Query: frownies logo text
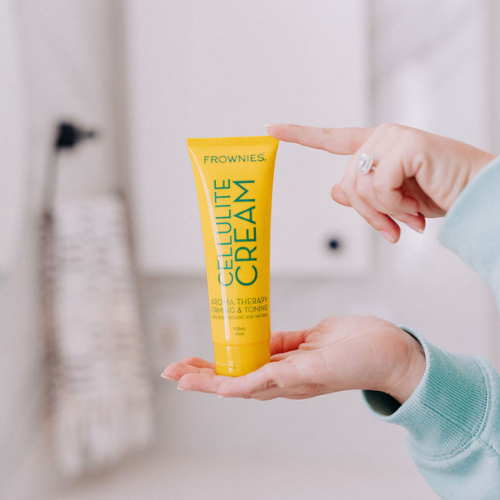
{"x": 256, "y": 157}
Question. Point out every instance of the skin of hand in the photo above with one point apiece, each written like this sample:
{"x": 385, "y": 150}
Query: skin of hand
{"x": 340, "y": 353}
{"x": 417, "y": 174}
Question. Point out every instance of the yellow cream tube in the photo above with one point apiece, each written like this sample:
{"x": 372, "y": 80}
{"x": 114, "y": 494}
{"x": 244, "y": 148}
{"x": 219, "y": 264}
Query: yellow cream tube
{"x": 234, "y": 182}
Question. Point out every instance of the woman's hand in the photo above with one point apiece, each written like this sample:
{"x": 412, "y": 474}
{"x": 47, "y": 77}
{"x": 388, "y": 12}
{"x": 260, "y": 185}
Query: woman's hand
{"x": 340, "y": 353}
{"x": 417, "y": 174}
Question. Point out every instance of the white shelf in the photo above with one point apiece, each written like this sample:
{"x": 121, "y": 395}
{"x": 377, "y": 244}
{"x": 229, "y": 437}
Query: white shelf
{"x": 200, "y": 71}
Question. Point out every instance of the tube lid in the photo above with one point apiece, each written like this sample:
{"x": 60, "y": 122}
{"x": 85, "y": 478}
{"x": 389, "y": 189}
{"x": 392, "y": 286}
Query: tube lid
{"x": 236, "y": 360}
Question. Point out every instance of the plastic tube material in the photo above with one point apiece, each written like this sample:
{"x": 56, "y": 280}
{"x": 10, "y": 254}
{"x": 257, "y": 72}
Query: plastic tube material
{"x": 234, "y": 182}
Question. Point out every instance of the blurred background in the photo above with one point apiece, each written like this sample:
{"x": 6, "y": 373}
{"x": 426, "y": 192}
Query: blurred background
{"x": 101, "y": 257}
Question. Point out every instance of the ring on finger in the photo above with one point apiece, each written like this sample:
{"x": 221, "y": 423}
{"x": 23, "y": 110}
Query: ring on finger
{"x": 364, "y": 164}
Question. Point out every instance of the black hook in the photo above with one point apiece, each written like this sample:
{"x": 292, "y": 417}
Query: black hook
{"x": 69, "y": 135}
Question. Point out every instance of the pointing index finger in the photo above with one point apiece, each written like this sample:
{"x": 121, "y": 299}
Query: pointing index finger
{"x": 339, "y": 141}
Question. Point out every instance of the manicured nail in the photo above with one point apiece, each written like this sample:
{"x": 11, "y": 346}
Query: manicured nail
{"x": 219, "y": 396}
{"x": 180, "y": 388}
{"x": 273, "y": 125}
{"x": 416, "y": 228}
{"x": 387, "y": 236}
{"x": 166, "y": 377}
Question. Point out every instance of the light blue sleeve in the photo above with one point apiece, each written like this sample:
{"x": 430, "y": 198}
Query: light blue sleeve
{"x": 453, "y": 416}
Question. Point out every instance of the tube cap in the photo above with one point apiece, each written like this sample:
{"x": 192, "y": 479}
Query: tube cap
{"x": 236, "y": 360}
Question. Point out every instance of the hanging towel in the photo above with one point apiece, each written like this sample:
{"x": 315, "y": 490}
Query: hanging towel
{"x": 101, "y": 403}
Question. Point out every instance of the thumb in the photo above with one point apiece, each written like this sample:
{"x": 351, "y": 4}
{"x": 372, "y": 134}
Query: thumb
{"x": 339, "y": 196}
{"x": 339, "y": 141}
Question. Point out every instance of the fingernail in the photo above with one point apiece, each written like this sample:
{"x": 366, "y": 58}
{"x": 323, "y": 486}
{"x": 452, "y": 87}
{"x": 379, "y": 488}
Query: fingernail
{"x": 416, "y": 228}
{"x": 387, "y": 236}
{"x": 273, "y": 125}
{"x": 166, "y": 377}
{"x": 180, "y": 388}
{"x": 219, "y": 396}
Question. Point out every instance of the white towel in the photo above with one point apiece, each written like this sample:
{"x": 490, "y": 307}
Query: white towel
{"x": 101, "y": 394}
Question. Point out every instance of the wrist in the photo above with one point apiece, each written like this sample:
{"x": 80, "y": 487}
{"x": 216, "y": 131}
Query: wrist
{"x": 480, "y": 162}
{"x": 473, "y": 162}
{"x": 409, "y": 372}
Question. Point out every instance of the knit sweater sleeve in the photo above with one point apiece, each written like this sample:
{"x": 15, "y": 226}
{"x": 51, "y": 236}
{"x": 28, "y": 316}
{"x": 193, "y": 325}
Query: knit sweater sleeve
{"x": 453, "y": 416}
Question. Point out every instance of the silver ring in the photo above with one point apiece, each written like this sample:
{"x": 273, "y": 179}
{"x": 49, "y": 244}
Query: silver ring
{"x": 364, "y": 164}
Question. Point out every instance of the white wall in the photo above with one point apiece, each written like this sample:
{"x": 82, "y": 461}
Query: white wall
{"x": 344, "y": 450}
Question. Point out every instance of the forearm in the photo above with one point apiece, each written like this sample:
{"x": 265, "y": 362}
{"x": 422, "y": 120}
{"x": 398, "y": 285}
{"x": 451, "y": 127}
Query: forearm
{"x": 471, "y": 228}
{"x": 453, "y": 420}
{"x": 453, "y": 415}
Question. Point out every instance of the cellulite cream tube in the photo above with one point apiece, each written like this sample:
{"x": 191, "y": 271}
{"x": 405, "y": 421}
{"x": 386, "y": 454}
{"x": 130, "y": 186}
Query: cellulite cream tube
{"x": 234, "y": 181}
